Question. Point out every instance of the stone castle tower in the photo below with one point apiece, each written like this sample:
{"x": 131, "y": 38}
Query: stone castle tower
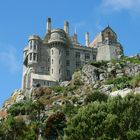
{"x": 53, "y": 59}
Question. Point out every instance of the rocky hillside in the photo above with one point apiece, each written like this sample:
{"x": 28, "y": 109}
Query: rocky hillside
{"x": 101, "y": 79}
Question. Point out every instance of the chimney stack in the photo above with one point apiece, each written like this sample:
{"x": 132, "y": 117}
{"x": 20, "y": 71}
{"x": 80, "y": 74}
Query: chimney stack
{"x": 87, "y": 39}
{"x": 66, "y": 27}
{"x": 48, "y": 26}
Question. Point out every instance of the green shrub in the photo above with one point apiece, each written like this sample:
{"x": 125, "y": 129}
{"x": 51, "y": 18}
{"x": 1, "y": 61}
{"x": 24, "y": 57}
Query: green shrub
{"x": 95, "y": 96}
{"x": 121, "y": 82}
{"x": 99, "y": 64}
{"x": 135, "y": 82}
{"x": 116, "y": 119}
{"x": 76, "y": 79}
{"x": 57, "y": 88}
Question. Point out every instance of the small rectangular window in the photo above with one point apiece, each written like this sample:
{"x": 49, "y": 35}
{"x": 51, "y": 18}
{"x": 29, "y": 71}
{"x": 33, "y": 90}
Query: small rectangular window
{"x": 77, "y": 55}
{"x": 44, "y": 83}
{"x": 87, "y": 56}
{"x": 30, "y": 44}
{"x": 35, "y": 47}
{"x": 78, "y": 63}
{"x": 67, "y": 53}
{"x": 34, "y": 56}
{"x": 67, "y": 63}
{"x": 30, "y": 56}
{"x": 48, "y": 83}
{"x": 68, "y": 73}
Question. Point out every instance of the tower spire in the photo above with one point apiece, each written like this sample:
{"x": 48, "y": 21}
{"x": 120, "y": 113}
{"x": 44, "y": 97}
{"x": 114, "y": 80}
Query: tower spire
{"x": 48, "y": 25}
{"x": 75, "y": 30}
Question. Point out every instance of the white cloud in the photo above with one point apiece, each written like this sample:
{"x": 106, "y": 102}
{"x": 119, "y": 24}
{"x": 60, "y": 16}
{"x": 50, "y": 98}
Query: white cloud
{"x": 8, "y": 58}
{"x": 119, "y": 5}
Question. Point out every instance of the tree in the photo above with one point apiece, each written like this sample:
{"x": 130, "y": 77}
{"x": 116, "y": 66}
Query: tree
{"x": 118, "y": 118}
{"x": 54, "y": 126}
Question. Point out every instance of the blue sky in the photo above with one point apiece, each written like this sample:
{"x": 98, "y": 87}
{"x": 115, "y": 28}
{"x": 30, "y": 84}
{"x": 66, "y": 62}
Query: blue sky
{"x": 21, "y": 18}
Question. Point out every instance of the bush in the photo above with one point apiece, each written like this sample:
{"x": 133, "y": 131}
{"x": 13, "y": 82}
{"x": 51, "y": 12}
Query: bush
{"x": 95, "y": 96}
{"x": 54, "y": 126}
{"x": 99, "y": 63}
{"x": 76, "y": 78}
{"x": 135, "y": 82}
{"x": 37, "y": 92}
{"x": 120, "y": 83}
{"x": 116, "y": 119}
{"x": 57, "y": 88}
{"x": 69, "y": 109}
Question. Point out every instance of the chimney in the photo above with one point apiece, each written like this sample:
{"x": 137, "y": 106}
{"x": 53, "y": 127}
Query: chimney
{"x": 87, "y": 39}
{"x": 48, "y": 26}
{"x": 66, "y": 27}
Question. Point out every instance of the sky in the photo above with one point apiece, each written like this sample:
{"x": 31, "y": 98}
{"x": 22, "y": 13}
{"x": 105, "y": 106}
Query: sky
{"x": 21, "y": 18}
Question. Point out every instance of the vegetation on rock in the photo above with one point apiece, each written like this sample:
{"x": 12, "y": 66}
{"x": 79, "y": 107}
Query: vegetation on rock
{"x": 81, "y": 110}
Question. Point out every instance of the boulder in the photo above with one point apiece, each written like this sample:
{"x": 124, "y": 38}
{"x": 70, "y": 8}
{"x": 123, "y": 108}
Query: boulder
{"x": 122, "y": 92}
{"x": 137, "y": 90}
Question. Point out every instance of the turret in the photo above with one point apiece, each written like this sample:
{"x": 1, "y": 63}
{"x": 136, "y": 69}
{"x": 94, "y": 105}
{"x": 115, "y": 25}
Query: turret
{"x": 33, "y": 49}
{"x": 58, "y": 44}
{"x": 66, "y": 27}
{"x": 87, "y": 39}
{"x": 48, "y": 25}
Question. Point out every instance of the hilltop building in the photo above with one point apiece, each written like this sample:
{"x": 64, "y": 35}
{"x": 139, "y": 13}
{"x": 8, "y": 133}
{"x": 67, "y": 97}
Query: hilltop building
{"x": 53, "y": 59}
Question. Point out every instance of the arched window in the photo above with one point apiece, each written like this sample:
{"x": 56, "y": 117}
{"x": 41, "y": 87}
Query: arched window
{"x": 30, "y": 44}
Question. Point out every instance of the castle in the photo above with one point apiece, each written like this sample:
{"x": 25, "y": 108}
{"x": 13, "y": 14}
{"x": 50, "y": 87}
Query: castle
{"x": 54, "y": 58}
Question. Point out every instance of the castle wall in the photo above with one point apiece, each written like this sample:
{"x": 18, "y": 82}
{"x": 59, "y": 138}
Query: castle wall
{"x": 103, "y": 53}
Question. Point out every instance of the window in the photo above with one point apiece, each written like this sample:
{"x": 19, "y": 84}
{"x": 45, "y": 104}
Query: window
{"x": 48, "y": 83}
{"x": 52, "y": 52}
{"x": 59, "y": 71}
{"x": 42, "y": 68}
{"x": 59, "y": 52}
{"x": 34, "y": 56}
{"x": 44, "y": 83}
{"x": 48, "y": 69}
{"x": 52, "y": 71}
{"x": 87, "y": 56}
{"x": 67, "y": 63}
{"x": 94, "y": 57}
{"x": 30, "y": 56}
{"x": 30, "y": 44}
{"x": 37, "y": 58}
{"x": 59, "y": 61}
{"x": 35, "y": 47}
{"x": 67, "y": 53}
{"x": 78, "y": 63}
{"x": 77, "y": 55}
{"x": 68, "y": 73}
{"x": 52, "y": 61}
{"x": 48, "y": 59}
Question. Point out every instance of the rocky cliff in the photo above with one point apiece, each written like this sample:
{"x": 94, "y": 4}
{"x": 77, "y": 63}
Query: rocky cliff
{"x": 116, "y": 77}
